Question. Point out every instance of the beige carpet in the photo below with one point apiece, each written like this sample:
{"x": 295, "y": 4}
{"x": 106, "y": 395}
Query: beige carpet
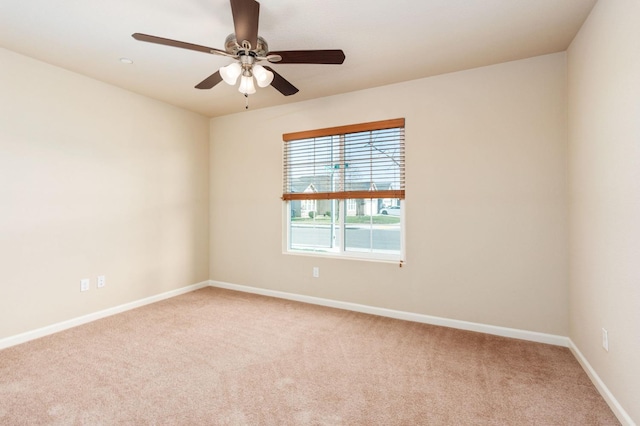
{"x": 226, "y": 358}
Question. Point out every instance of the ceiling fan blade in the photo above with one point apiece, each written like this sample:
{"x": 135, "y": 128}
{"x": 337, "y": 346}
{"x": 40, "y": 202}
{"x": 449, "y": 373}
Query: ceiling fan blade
{"x": 246, "y": 14}
{"x": 335, "y": 56}
{"x": 175, "y": 43}
{"x": 281, "y": 84}
{"x": 210, "y": 81}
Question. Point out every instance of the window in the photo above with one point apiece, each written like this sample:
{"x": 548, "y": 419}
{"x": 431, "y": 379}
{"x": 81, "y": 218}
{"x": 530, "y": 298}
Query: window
{"x": 343, "y": 190}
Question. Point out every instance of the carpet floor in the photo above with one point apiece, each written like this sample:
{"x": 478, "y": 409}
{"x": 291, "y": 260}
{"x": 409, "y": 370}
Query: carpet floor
{"x": 221, "y": 357}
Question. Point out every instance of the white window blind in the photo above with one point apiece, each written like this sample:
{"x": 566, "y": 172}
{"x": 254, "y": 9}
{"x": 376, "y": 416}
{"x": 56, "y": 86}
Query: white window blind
{"x": 348, "y": 162}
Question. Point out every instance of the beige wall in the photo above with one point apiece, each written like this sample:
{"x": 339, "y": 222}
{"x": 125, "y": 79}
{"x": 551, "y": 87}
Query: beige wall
{"x": 486, "y": 208}
{"x": 94, "y": 180}
{"x": 604, "y": 141}
{"x": 97, "y": 180}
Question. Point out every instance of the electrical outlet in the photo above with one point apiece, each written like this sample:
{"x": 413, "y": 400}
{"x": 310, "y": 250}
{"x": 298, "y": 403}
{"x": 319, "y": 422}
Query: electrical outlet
{"x": 316, "y": 272}
{"x": 102, "y": 281}
{"x": 605, "y": 340}
{"x": 84, "y": 284}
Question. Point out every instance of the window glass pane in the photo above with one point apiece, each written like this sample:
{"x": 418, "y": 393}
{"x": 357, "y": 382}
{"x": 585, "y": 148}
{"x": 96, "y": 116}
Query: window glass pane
{"x": 373, "y": 226}
{"x": 313, "y": 225}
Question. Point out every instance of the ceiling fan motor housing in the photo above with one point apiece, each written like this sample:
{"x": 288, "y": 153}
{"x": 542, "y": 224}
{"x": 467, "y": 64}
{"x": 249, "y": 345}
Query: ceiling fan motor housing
{"x": 231, "y": 46}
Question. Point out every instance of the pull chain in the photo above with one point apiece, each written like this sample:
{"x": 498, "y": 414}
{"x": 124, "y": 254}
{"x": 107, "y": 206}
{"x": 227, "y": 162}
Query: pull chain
{"x": 246, "y": 101}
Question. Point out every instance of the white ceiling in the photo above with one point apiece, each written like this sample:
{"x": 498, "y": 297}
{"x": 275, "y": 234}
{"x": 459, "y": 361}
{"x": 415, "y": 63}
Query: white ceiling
{"x": 384, "y": 41}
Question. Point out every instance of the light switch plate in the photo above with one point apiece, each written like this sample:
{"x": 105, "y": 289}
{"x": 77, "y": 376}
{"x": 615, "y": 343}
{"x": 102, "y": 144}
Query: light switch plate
{"x": 84, "y": 284}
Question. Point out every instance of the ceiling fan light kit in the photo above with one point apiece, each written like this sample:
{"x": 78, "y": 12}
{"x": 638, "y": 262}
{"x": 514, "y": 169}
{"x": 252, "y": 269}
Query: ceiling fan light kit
{"x": 230, "y": 73}
{"x": 248, "y": 69}
{"x": 247, "y": 48}
{"x": 246, "y": 85}
{"x": 263, "y": 76}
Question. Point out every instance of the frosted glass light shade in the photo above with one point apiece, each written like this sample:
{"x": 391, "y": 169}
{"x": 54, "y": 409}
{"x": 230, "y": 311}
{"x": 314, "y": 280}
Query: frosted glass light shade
{"x": 230, "y": 73}
{"x": 263, "y": 76}
{"x": 246, "y": 85}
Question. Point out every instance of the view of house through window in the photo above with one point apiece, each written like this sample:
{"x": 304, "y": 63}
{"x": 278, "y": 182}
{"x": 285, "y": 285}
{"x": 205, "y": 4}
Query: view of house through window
{"x": 344, "y": 190}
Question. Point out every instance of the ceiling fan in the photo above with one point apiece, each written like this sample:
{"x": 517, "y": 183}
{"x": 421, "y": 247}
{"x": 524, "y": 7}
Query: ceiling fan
{"x": 248, "y": 49}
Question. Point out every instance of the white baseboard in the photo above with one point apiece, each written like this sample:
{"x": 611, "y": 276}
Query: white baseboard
{"x": 64, "y": 325}
{"x": 613, "y": 403}
{"x": 408, "y": 316}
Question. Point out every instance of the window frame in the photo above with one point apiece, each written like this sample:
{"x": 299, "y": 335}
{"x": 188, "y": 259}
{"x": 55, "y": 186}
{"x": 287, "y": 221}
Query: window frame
{"x": 342, "y": 197}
